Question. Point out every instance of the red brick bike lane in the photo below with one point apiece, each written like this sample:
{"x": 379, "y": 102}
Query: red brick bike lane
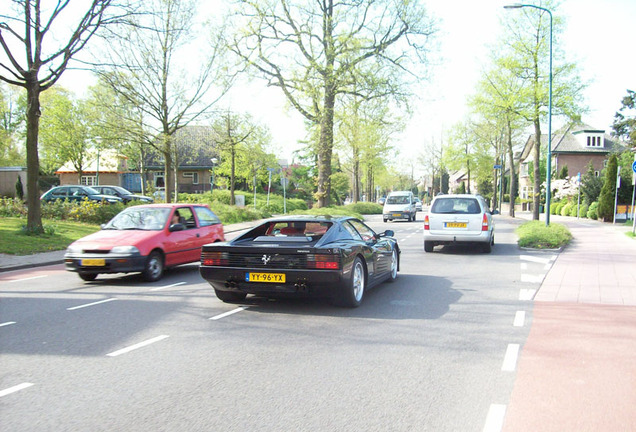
{"x": 577, "y": 371}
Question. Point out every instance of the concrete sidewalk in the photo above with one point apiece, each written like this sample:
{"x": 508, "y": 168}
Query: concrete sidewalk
{"x": 17, "y": 262}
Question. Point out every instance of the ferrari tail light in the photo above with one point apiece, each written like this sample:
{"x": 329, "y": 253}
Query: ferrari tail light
{"x": 426, "y": 223}
{"x": 484, "y": 223}
{"x": 214, "y": 258}
{"x": 323, "y": 261}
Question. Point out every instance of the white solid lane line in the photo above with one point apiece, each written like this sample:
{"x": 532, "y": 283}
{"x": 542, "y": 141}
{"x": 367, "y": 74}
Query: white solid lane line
{"x": 168, "y": 286}
{"x": 233, "y": 311}
{"x": 29, "y": 278}
{"x": 537, "y": 260}
{"x": 15, "y": 389}
{"x": 7, "y": 323}
{"x": 526, "y": 294}
{"x": 520, "y": 319}
{"x": 137, "y": 346}
{"x": 91, "y": 304}
{"x": 510, "y": 359}
{"x": 495, "y": 418}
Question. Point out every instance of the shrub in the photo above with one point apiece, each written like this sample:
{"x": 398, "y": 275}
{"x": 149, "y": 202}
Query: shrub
{"x": 566, "y": 209}
{"x": 584, "y": 210}
{"x": 365, "y": 208}
{"x": 536, "y": 235}
{"x": 592, "y": 211}
{"x": 560, "y": 207}
{"x": 12, "y": 207}
{"x": 553, "y": 207}
{"x": 574, "y": 210}
{"x": 330, "y": 211}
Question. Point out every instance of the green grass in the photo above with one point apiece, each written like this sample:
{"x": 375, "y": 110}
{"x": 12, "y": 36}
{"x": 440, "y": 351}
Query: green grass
{"x": 535, "y": 234}
{"x": 58, "y": 235}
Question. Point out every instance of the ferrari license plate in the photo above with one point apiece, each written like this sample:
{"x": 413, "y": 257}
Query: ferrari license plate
{"x": 265, "y": 277}
{"x": 455, "y": 224}
{"x": 94, "y": 262}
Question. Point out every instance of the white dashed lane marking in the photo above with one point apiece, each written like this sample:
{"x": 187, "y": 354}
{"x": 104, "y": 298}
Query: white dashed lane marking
{"x": 14, "y": 389}
{"x": 520, "y": 319}
{"x": 168, "y": 286}
{"x": 232, "y": 312}
{"x": 91, "y": 304}
{"x": 29, "y": 278}
{"x": 8, "y": 323}
{"x": 510, "y": 359}
{"x": 495, "y": 418}
{"x": 137, "y": 346}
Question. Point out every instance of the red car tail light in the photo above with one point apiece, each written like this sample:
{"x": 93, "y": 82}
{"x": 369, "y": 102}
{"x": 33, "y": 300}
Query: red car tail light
{"x": 426, "y": 223}
{"x": 484, "y": 223}
{"x": 214, "y": 258}
{"x": 327, "y": 262}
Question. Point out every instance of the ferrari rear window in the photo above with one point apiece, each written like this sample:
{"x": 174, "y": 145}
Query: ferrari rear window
{"x": 298, "y": 229}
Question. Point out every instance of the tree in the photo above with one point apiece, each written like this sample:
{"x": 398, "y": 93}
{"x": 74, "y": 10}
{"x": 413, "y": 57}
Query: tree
{"x": 317, "y": 51}
{"x": 527, "y": 52}
{"x": 10, "y": 153}
{"x": 64, "y": 132}
{"x": 625, "y": 119}
{"x": 148, "y": 67}
{"x": 241, "y": 143}
{"x": 605, "y": 209}
{"x": 591, "y": 185}
{"x": 37, "y": 45}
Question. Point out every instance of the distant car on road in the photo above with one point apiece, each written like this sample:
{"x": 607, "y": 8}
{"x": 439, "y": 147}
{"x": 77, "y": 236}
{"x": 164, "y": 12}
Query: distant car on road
{"x": 338, "y": 258}
{"x": 122, "y": 193}
{"x": 146, "y": 238}
{"x": 463, "y": 218}
{"x": 418, "y": 204}
{"x": 77, "y": 193}
{"x": 399, "y": 205}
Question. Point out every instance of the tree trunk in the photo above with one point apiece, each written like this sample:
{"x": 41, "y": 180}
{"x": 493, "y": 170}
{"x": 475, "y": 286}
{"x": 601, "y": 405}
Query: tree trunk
{"x": 325, "y": 149}
{"x": 169, "y": 174}
{"x": 34, "y": 215}
{"x": 536, "y": 199}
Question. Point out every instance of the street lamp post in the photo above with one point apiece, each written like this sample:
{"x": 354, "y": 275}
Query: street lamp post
{"x": 548, "y": 191}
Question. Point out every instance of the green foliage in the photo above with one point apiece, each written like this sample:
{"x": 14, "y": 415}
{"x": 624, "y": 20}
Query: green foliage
{"x": 583, "y": 211}
{"x": 591, "y": 185}
{"x": 554, "y": 205}
{"x": 328, "y": 211}
{"x": 364, "y": 208}
{"x": 605, "y": 209}
{"x": 592, "y": 212}
{"x": 12, "y": 207}
{"x": 567, "y": 209}
{"x": 86, "y": 211}
{"x": 625, "y": 119}
{"x": 563, "y": 172}
{"x": 574, "y": 210}
{"x": 535, "y": 234}
{"x": 19, "y": 189}
{"x": 560, "y": 206}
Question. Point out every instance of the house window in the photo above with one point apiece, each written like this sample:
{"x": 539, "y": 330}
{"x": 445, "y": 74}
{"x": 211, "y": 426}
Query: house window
{"x": 193, "y": 175}
{"x": 595, "y": 141}
{"x": 160, "y": 181}
{"x": 88, "y": 180}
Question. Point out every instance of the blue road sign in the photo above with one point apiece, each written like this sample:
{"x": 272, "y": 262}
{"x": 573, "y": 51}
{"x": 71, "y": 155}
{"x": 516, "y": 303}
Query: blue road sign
{"x": 634, "y": 166}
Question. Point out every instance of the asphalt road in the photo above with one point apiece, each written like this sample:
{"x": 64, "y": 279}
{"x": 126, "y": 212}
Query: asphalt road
{"x": 434, "y": 351}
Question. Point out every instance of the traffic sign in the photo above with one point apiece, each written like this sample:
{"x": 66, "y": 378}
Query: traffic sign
{"x": 497, "y": 167}
{"x": 634, "y": 166}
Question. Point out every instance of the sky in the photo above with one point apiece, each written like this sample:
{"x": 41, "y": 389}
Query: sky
{"x": 599, "y": 37}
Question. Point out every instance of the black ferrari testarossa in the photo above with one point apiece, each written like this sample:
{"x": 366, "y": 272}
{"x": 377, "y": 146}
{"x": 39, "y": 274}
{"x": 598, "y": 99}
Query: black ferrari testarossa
{"x": 323, "y": 256}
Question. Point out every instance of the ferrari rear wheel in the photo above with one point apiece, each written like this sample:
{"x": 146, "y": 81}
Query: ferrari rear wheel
{"x": 353, "y": 294}
{"x": 229, "y": 296}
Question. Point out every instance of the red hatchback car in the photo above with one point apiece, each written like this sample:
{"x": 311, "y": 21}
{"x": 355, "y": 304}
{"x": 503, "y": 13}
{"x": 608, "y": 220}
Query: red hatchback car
{"x": 146, "y": 239}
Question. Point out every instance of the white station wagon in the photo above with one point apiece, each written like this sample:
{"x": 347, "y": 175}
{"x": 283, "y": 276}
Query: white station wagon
{"x": 454, "y": 219}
